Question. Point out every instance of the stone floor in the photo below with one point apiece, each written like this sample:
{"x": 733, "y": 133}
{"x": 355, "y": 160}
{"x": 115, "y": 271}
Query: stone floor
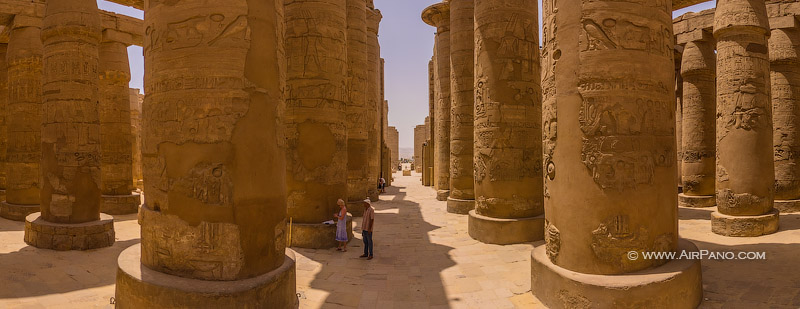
{"x": 423, "y": 259}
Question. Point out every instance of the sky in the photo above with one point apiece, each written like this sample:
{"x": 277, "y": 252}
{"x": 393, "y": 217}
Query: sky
{"x": 406, "y": 44}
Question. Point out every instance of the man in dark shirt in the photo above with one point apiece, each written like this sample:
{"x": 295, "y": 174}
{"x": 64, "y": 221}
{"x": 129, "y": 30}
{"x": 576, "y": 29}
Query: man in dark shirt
{"x": 366, "y": 228}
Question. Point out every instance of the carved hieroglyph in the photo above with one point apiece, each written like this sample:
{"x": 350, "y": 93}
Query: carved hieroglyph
{"x": 609, "y": 133}
{"x": 3, "y": 119}
{"x": 115, "y": 119}
{"x": 745, "y": 168}
{"x": 438, "y": 15}
{"x": 419, "y": 139}
{"x": 316, "y": 104}
{"x": 358, "y": 180}
{"x": 24, "y": 61}
{"x": 462, "y": 59}
{"x": 70, "y": 163}
{"x": 699, "y": 118}
{"x": 213, "y": 142}
{"x": 374, "y": 100}
{"x": 136, "y": 132}
{"x": 784, "y": 47}
{"x": 508, "y": 151}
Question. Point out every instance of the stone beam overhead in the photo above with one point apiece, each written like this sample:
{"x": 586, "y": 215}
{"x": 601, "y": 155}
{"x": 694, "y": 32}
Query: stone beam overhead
{"x": 677, "y": 4}
{"x": 121, "y": 28}
{"x": 687, "y": 25}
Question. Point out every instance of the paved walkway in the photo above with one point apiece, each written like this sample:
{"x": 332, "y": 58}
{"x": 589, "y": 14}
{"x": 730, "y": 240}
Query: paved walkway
{"x": 423, "y": 259}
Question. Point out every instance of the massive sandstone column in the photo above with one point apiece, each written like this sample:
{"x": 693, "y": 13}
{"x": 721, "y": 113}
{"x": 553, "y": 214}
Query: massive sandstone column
{"x": 462, "y": 64}
{"x": 393, "y": 141}
{"x": 508, "y": 130}
{"x": 610, "y": 158}
{"x": 430, "y": 122}
{"x": 70, "y": 163}
{"x": 3, "y": 118}
{"x": 745, "y": 168}
{"x": 784, "y": 47}
{"x": 427, "y": 158}
{"x": 316, "y": 104}
{"x": 373, "y": 101}
{"x": 136, "y": 131}
{"x": 214, "y": 219}
{"x": 419, "y": 139}
{"x": 116, "y": 140}
{"x": 438, "y": 15}
{"x": 699, "y": 115}
{"x": 358, "y": 180}
{"x": 24, "y": 129}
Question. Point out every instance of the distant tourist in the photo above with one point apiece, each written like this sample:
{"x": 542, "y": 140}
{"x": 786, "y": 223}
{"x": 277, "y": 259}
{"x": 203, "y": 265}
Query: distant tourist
{"x": 366, "y": 228}
{"x": 382, "y": 185}
{"x": 341, "y": 226}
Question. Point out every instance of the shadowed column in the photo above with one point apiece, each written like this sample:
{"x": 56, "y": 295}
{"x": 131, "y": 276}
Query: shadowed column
{"x": 438, "y": 15}
{"x": 358, "y": 179}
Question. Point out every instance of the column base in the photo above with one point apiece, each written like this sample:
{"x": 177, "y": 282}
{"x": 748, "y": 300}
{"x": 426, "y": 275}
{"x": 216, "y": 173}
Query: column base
{"x": 142, "y": 287}
{"x": 318, "y": 236}
{"x": 442, "y": 195}
{"x": 17, "y": 212}
{"x": 355, "y": 208}
{"x": 787, "y": 206}
{"x": 676, "y": 284}
{"x": 696, "y": 201}
{"x": 744, "y": 226}
{"x": 64, "y": 237}
{"x": 2, "y": 194}
{"x": 461, "y": 207}
{"x": 120, "y": 204}
{"x": 373, "y": 195}
{"x": 505, "y": 231}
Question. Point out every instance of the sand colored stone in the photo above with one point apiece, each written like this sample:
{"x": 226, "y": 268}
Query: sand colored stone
{"x": 116, "y": 139}
{"x": 462, "y": 65}
{"x": 213, "y": 225}
{"x": 70, "y": 160}
{"x": 611, "y": 160}
{"x": 316, "y": 111}
{"x": 136, "y": 132}
{"x": 24, "y": 66}
{"x": 438, "y": 15}
{"x": 784, "y": 47}
{"x": 745, "y": 167}
{"x": 374, "y": 101}
{"x": 699, "y": 122}
{"x": 419, "y": 139}
{"x": 358, "y": 179}
{"x": 3, "y": 119}
{"x": 508, "y": 122}
{"x": 393, "y": 142}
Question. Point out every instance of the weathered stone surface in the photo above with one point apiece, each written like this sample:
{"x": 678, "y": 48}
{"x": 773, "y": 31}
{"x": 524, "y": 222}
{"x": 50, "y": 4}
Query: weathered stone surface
{"x": 63, "y": 237}
{"x": 116, "y": 139}
{"x": 24, "y": 60}
{"x": 214, "y": 160}
{"x": 784, "y": 50}
{"x": 699, "y": 122}
{"x": 462, "y": 64}
{"x": 508, "y": 115}
{"x": 71, "y": 154}
{"x": 438, "y": 15}
{"x": 3, "y": 119}
{"x": 744, "y": 226}
{"x": 504, "y": 231}
{"x": 316, "y": 107}
{"x": 358, "y": 172}
{"x": 419, "y": 139}
{"x": 136, "y": 100}
{"x": 393, "y": 141}
{"x": 676, "y": 284}
{"x": 314, "y": 236}
{"x": 745, "y": 168}
{"x": 374, "y": 103}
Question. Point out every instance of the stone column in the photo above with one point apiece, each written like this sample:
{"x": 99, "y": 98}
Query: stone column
{"x": 136, "y": 131}
{"x": 679, "y": 122}
{"x": 698, "y": 71}
{"x": 373, "y": 100}
{"x": 358, "y": 180}
{"x": 462, "y": 59}
{"x": 438, "y": 15}
{"x": 784, "y": 45}
{"x": 745, "y": 167}
{"x": 24, "y": 129}
{"x": 419, "y": 139}
{"x": 610, "y": 159}
{"x": 116, "y": 140}
{"x": 427, "y": 159}
{"x": 214, "y": 219}
{"x": 3, "y": 118}
{"x": 316, "y": 106}
{"x": 508, "y": 115}
{"x": 393, "y": 141}
{"x": 70, "y": 163}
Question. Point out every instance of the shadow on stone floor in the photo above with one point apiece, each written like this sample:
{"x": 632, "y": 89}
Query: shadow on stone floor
{"x": 405, "y": 269}
{"x": 34, "y": 272}
{"x": 788, "y": 221}
{"x": 10, "y": 226}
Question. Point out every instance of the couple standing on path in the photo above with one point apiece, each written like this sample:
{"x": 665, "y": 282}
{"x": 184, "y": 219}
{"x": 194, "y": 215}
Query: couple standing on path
{"x": 366, "y": 227}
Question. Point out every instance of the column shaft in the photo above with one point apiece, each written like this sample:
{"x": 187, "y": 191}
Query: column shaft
{"x": 462, "y": 68}
{"x": 374, "y": 101}
{"x": 785, "y": 89}
{"x": 3, "y": 120}
{"x": 358, "y": 179}
{"x": 699, "y": 115}
{"x": 745, "y": 167}
{"x": 24, "y": 129}
{"x": 438, "y": 15}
